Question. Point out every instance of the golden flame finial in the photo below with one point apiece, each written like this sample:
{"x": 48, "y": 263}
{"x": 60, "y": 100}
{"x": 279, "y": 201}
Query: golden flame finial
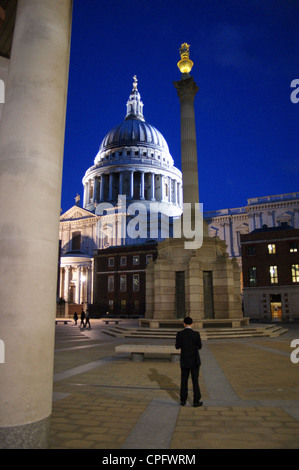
{"x": 185, "y": 64}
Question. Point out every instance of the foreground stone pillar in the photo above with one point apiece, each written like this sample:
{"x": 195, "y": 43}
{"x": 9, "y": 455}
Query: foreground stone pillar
{"x": 31, "y": 154}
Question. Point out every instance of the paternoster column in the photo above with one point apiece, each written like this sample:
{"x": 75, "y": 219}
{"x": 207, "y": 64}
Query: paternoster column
{"x": 187, "y": 89}
{"x": 31, "y": 154}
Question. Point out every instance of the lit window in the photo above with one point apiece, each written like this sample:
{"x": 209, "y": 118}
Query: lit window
{"x": 252, "y": 276}
{"x": 295, "y": 272}
{"x": 110, "y": 283}
{"x": 111, "y": 304}
{"x": 273, "y": 274}
{"x": 271, "y": 248}
{"x": 123, "y": 304}
{"x": 136, "y": 259}
{"x": 123, "y": 283}
{"x": 293, "y": 248}
{"x": 136, "y": 282}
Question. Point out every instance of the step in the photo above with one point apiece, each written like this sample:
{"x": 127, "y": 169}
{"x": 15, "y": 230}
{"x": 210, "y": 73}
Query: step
{"x": 206, "y": 333}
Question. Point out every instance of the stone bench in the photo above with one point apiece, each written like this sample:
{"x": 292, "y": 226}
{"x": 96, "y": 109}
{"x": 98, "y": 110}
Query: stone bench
{"x": 138, "y": 351}
{"x": 112, "y": 321}
{"x": 63, "y": 321}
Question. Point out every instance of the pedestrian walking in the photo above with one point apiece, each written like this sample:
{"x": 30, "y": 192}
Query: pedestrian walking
{"x": 82, "y": 318}
{"x": 75, "y": 318}
{"x": 87, "y": 317}
{"x": 189, "y": 342}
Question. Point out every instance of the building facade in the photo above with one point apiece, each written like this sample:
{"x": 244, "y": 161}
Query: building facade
{"x": 120, "y": 275}
{"x": 270, "y": 258}
{"x": 230, "y": 224}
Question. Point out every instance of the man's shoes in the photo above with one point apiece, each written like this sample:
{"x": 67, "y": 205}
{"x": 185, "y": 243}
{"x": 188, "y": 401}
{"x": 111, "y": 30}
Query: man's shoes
{"x": 183, "y": 403}
{"x": 197, "y": 403}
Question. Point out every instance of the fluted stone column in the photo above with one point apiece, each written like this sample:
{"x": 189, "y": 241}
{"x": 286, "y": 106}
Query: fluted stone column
{"x": 102, "y": 188}
{"x": 31, "y": 154}
{"x": 153, "y": 189}
{"x": 67, "y": 276}
{"x": 131, "y": 184}
{"x": 187, "y": 90}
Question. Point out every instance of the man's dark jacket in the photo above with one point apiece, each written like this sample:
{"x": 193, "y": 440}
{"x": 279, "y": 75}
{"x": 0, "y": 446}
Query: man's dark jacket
{"x": 189, "y": 342}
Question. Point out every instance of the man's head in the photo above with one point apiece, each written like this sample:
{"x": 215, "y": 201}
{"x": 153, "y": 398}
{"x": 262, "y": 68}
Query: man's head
{"x": 188, "y": 321}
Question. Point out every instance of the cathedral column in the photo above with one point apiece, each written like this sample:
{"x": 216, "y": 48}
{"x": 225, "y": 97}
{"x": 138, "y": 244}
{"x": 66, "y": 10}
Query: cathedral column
{"x": 85, "y": 195}
{"x": 88, "y": 285}
{"x": 88, "y": 192}
{"x": 170, "y": 189}
{"x": 120, "y": 183}
{"x": 162, "y": 188}
{"x": 31, "y": 154}
{"x": 175, "y": 189}
{"x": 110, "y": 186}
{"x": 78, "y": 286}
{"x": 102, "y": 188}
{"x": 131, "y": 184}
{"x": 61, "y": 283}
{"x": 153, "y": 186}
{"x": 142, "y": 185}
{"x": 67, "y": 276}
{"x": 95, "y": 188}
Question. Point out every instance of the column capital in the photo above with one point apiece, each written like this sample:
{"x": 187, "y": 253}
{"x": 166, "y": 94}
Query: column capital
{"x": 186, "y": 88}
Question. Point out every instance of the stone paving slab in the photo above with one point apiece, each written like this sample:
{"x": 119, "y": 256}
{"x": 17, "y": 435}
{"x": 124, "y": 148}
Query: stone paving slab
{"x": 103, "y": 401}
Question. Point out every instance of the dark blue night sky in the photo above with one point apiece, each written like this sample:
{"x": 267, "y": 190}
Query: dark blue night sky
{"x": 245, "y": 54}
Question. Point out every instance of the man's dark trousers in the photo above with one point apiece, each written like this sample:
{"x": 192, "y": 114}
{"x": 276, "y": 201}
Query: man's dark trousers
{"x": 184, "y": 383}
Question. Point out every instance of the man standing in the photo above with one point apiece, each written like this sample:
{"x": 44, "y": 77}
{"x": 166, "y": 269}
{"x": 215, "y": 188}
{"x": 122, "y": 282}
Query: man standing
{"x": 189, "y": 342}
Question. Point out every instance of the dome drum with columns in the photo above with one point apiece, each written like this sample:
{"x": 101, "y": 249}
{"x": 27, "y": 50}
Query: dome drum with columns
{"x": 134, "y": 160}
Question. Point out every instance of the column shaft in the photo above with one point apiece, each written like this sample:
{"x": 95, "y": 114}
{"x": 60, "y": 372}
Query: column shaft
{"x": 187, "y": 90}
{"x": 31, "y": 155}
